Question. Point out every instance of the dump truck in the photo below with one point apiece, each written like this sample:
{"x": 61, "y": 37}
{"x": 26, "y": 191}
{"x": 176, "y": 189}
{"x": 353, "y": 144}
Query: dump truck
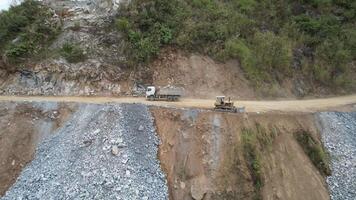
{"x": 163, "y": 93}
{"x": 226, "y": 105}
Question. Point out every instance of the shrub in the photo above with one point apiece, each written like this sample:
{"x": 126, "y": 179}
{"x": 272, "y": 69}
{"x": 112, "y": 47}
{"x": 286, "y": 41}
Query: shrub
{"x": 349, "y": 36}
{"x": 165, "y": 34}
{"x": 148, "y": 26}
{"x": 307, "y": 24}
{"x": 343, "y": 80}
{"x": 72, "y": 53}
{"x": 322, "y": 74}
{"x": 25, "y": 31}
{"x": 336, "y": 58}
{"x": 272, "y": 51}
{"x": 17, "y": 18}
{"x": 315, "y": 151}
{"x": 142, "y": 48}
{"x": 15, "y": 53}
{"x": 261, "y": 35}
{"x": 273, "y": 56}
{"x": 245, "y": 5}
{"x": 122, "y": 24}
{"x": 237, "y": 48}
{"x": 145, "y": 48}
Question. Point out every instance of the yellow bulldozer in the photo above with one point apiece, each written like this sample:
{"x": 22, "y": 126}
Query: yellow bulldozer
{"x": 226, "y": 105}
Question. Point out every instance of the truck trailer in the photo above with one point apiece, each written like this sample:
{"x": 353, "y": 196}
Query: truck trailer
{"x": 163, "y": 94}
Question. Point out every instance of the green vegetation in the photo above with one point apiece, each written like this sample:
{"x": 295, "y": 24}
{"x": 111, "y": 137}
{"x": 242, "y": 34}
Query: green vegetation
{"x": 315, "y": 151}
{"x": 72, "y": 53}
{"x": 264, "y": 35}
{"x": 252, "y": 156}
{"x": 25, "y": 31}
{"x": 255, "y": 142}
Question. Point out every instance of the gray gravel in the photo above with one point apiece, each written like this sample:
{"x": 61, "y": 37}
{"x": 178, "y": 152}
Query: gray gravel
{"x": 339, "y": 137}
{"x": 103, "y": 152}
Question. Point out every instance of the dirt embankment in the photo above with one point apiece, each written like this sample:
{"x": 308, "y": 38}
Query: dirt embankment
{"x": 200, "y": 75}
{"x": 204, "y": 156}
{"x": 22, "y": 127}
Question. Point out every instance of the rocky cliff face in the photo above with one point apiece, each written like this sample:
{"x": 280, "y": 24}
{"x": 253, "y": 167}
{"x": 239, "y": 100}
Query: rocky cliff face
{"x": 87, "y": 24}
{"x": 91, "y": 26}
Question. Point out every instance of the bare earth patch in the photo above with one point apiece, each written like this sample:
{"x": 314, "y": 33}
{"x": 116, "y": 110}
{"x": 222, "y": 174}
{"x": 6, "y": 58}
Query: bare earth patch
{"x": 202, "y": 155}
{"x": 201, "y": 76}
{"x": 22, "y": 127}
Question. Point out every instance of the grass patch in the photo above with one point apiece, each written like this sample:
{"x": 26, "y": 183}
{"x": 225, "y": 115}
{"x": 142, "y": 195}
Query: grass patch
{"x": 255, "y": 142}
{"x": 253, "y": 158}
{"x": 315, "y": 151}
{"x": 72, "y": 53}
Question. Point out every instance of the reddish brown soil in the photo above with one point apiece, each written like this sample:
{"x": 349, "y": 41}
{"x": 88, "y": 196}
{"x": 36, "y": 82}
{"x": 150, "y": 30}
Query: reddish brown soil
{"x": 20, "y": 132}
{"x": 202, "y": 155}
{"x": 200, "y": 76}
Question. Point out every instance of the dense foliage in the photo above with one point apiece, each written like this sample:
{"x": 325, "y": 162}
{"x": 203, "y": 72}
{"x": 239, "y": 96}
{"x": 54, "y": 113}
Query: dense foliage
{"x": 25, "y": 30}
{"x": 273, "y": 39}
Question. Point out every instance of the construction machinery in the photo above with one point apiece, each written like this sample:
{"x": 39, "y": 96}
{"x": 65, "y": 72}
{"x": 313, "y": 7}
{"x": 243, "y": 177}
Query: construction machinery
{"x": 226, "y": 105}
{"x": 168, "y": 93}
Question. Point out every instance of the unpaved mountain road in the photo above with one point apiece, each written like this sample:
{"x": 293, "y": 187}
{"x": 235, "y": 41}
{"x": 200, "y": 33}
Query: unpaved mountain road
{"x": 346, "y": 103}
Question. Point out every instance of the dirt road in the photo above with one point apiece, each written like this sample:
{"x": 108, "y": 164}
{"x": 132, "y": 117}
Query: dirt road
{"x": 312, "y": 105}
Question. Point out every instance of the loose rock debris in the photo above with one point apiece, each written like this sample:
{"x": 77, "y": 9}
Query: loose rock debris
{"x": 119, "y": 162}
{"x": 339, "y": 137}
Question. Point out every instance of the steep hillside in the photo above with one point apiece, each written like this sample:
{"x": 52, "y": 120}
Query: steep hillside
{"x": 106, "y": 47}
{"x": 83, "y": 57}
{"x": 100, "y": 152}
{"x": 208, "y": 155}
{"x": 59, "y": 150}
{"x": 303, "y": 46}
{"x": 22, "y": 127}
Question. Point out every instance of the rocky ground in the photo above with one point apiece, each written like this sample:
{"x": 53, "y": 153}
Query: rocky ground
{"x": 22, "y": 127}
{"x": 102, "y": 152}
{"x": 339, "y": 137}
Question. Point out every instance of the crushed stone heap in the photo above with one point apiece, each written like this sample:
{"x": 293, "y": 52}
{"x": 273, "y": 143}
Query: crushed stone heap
{"x": 102, "y": 152}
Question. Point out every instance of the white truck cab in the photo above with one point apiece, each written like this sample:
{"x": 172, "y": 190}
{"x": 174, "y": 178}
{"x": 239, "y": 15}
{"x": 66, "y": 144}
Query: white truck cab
{"x": 150, "y": 91}
{"x": 163, "y": 93}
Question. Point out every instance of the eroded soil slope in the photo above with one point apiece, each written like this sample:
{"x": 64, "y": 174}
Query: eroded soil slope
{"x": 204, "y": 156}
{"x": 200, "y": 76}
{"x": 22, "y": 127}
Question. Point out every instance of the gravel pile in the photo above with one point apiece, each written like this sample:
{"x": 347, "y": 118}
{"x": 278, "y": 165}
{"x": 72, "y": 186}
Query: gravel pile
{"x": 339, "y": 137}
{"x": 103, "y": 152}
